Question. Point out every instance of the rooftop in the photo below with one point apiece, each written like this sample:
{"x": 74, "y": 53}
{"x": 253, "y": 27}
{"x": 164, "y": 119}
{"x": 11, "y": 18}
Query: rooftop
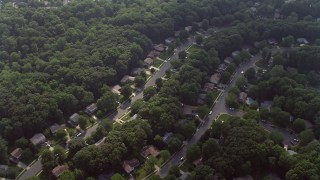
{"x": 129, "y": 165}
{"x": 116, "y": 89}
{"x": 58, "y": 170}
{"x": 38, "y": 139}
{"x": 91, "y": 108}
{"x": 74, "y": 117}
{"x": 189, "y": 110}
{"x": 149, "y": 150}
{"x": 54, "y": 128}
{"x": 16, "y": 153}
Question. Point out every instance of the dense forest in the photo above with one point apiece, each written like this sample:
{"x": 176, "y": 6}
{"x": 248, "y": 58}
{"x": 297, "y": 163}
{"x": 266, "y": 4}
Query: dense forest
{"x": 56, "y": 59}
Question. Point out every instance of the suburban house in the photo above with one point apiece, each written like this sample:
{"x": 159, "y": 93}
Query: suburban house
{"x": 222, "y": 68}
{"x": 188, "y": 28}
{"x": 189, "y": 111}
{"x": 126, "y": 78}
{"x": 243, "y": 97}
{"x": 137, "y": 71}
{"x": 159, "y": 47}
{"x": 177, "y": 33}
{"x": 208, "y": 87}
{"x": 92, "y": 108}
{"x": 116, "y": 89}
{"x": 149, "y": 151}
{"x": 302, "y": 41}
{"x": 148, "y": 62}
{"x": 169, "y": 40}
{"x": 15, "y": 155}
{"x": 153, "y": 54}
{"x": 129, "y": 165}
{"x": 167, "y": 137}
{"x": 54, "y": 128}
{"x": 228, "y": 60}
{"x": 215, "y": 78}
{"x": 38, "y": 139}
{"x": 235, "y": 53}
{"x": 272, "y": 41}
{"x": 58, "y": 170}
{"x": 74, "y": 119}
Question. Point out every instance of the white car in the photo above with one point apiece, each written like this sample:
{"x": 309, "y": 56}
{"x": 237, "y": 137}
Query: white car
{"x": 210, "y": 112}
{"x": 182, "y": 158}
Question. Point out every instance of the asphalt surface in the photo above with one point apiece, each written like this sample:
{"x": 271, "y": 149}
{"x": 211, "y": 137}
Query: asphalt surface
{"x": 287, "y": 136}
{"x": 37, "y": 167}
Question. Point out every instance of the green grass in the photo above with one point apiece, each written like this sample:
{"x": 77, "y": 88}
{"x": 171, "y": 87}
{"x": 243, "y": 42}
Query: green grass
{"x": 193, "y": 49}
{"x": 261, "y": 64}
{"x": 224, "y": 117}
{"x": 164, "y": 55}
{"x": 157, "y": 63}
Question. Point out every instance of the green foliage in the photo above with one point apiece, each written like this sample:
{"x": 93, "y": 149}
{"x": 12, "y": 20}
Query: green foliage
{"x": 3, "y": 151}
{"x": 174, "y": 144}
{"x": 298, "y": 125}
{"x": 193, "y": 153}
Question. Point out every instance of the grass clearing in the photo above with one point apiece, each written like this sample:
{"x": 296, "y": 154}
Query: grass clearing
{"x": 224, "y": 117}
{"x": 164, "y": 55}
{"x": 157, "y": 63}
{"x": 193, "y": 48}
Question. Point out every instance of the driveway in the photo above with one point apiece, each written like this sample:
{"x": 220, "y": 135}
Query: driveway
{"x": 287, "y": 136}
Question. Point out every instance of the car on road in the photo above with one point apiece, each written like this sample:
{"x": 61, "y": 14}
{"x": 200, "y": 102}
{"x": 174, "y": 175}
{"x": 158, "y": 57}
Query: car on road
{"x": 242, "y": 72}
{"x": 210, "y": 112}
{"x": 182, "y": 158}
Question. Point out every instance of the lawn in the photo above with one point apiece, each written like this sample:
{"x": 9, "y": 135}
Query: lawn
{"x": 261, "y": 64}
{"x": 164, "y": 55}
{"x": 157, "y": 63}
{"x": 223, "y": 117}
{"x": 216, "y": 94}
{"x": 193, "y": 48}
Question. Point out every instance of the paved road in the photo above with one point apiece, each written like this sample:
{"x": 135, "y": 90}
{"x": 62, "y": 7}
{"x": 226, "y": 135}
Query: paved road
{"x": 36, "y": 167}
{"x": 220, "y": 107}
{"x": 287, "y": 136}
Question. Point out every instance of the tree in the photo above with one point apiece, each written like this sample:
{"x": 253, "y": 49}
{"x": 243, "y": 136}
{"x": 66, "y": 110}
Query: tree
{"x": 182, "y": 54}
{"x": 126, "y": 91}
{"x": 136, "y": 106}
{"x": 199, "y": 39}
{"x": 193, "y": 153}
{"x": 159, "y": 83}
{"x": 174, "y": 170}
{"x": 61, "y": 135}
{"x": 83, "y": 121}
{"x": 75, "y": 145}
{"x": 276, "y": 137}
{"x": 59, "y": 154}
{"x": 47, "y": 161}
{"x": 67, "y": 175}
{"x": 266, "y": 54}
{"x": 205, "y": 24}
{"x": 242, "y": 83}
{"x": 3, "y": 151}
{"x": 202, "y": 111}
{"x": 250, "y": 74}
{"x": 149, "y": 92}
{"x": 107, "y": 102}
{"x": 299, "y": 125}
{"x": 174, "y": 144}
{"x": 288, "y": 41}
{"x": 225, "y": 77}
{"x": 209, "y": 148}
{"x": 306, "y": 136}
{"x": 187, "y": 129}
{"x": 139, "y": 81}
{"x": 183, "y": 35}
{"x": 203, "y": 173}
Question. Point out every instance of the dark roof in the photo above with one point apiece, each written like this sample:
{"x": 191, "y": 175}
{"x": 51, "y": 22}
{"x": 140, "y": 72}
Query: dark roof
{"x": 129, "y": 165}
{"x": 74, "y": 117}
{"x": 54, "y": 128}
{"x": 16, "y": 153}
{"x": 148, "y": 61}
{"x": 91, "y": 108}
{"x": 189, "y": 110}
{"x": 149, "y": 150}
{"x": 58, "y": 170}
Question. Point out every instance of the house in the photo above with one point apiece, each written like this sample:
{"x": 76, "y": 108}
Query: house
{"x": 167, "y": 137}
{"x": 153, "y": 54}
{"x": 208, "y": 87}
{"x": 302, "y": 41}
{"x": 129, "y": 165}
{"x": 38, "y": 139}
{"x": 15, "y": 155}
{"x": 159, "y": 47}
{"x": 116, "y": 89}
{"x": 198, "y": 162}
{"x": 272, "y": 41}
{"x": 177, "y": 33}
{"x": 188, "y": 28}
{"x": 92, "y": 108}
{"x": 126, "y": 78}
{"x": 74, "y": 119}
{"x": 58, "y": 170}
{"x": 149, "y": 151}
{"x": 3, "y": 168}
{"x": 235, "y": 53}
{"x": 201, "y": 99}
{"x": 148, "y": 62}
{"x": 222, "y": 67}
{"x": 189, "y": 111}
{"x": 250, "y": 101}
{"x": 243, "y": 97}
{"x": 215, "y": 78}
{"x": 266, "y": 104}
{"x": 54, "y": 128}
{"x": 228, "y": 60}
{"x": 169, "y": 40}
{"x": 137, "y": 71}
